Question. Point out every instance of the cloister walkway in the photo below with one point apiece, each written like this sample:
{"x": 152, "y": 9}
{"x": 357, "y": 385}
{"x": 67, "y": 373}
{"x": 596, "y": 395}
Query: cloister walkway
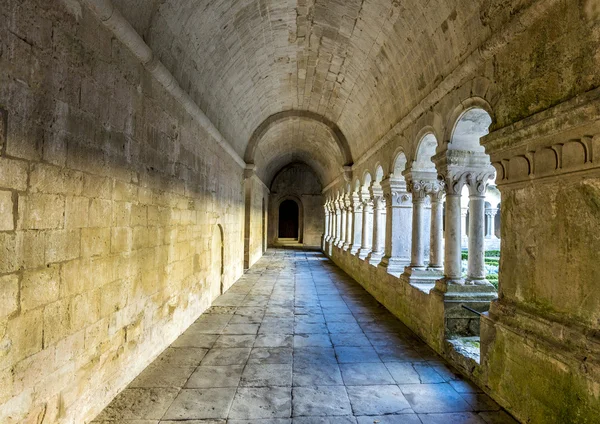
{"x": 296, "y": 340}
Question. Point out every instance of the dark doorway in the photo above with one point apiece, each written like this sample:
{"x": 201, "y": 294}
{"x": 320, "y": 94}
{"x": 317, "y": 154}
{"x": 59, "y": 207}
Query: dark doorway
{"x": 288, "y": 219}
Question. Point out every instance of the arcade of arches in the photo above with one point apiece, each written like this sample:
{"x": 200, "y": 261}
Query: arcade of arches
{"x": 430, "y": 169}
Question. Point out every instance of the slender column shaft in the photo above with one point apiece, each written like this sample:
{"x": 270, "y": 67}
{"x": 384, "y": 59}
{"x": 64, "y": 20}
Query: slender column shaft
{"x": 357, "y": 223}
{"x": 476, "y": 268}
{"x": 463, "y": 226}
{"x": 452, "y": 257}
{"x": 437, "y": 232}
{"x": 367, "y": 234}
{"x": 418, "y": 239}
{"x": 342, "y": 228}
{"x": 348, "y": 239}
{"x": 379, "y": 227}
{"x": 336, "y": 233}
{"x": 327, "y": 220}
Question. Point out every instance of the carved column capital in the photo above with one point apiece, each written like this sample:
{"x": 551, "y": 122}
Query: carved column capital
{"x": 478, "y": 181}
{"x": 420, "y": 189}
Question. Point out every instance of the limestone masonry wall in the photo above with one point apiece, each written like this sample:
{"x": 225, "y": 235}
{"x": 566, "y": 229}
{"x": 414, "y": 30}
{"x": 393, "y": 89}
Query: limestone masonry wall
{"x": 109, "y": 198}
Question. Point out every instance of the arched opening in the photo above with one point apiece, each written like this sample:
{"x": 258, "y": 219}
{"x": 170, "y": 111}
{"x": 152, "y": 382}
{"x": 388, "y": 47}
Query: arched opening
{"x": 289, "y": 220}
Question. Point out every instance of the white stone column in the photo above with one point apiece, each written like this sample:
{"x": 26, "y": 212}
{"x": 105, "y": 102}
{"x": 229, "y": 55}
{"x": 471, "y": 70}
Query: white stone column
{"x": 476, "y": 268}
{"x": 336, "y": 232}
{"x": 436, "y": 243}
{"x": 453, "y": 237}
{"x": 398, "y": 226}
{"x": 367, "y": 227}
{"x": 490, "y": 215}
{"x": 417, "y": 257}
{"x": 357, "y": 223}
{"x": 342, "y": 237}
{"x": 379, "y": 220}
{"x": 463, "y": 225}
{"x": 348, "y": 239}
{"x": 327, "y": 222}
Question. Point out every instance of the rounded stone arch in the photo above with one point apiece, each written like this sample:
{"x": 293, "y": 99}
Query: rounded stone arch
{"x": 459, "y": 111}
{"x": 336, "y": 133}
{"x": 399, "y": 164}
{"x": 379, "y": 173}
{"x": 356, "y": 185}
{"x": 425, "y": 149}
{"x": 217, "y": 256}
{"x": 366, "y": 179}
{"x": 277, "y": 206}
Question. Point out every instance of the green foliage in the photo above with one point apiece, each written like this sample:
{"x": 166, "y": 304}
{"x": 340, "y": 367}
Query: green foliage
{"x": 492, "y": 253}
{"x": 464, "y": 255}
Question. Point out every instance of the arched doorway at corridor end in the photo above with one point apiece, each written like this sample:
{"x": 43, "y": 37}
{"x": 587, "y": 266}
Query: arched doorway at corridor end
{"x": 289, "y": 220}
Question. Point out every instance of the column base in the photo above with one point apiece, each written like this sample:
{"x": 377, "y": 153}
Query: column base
{"x": 363, "y": 253}
{"x": 346, "y": 246}
{"x": 394, "y": 266}
{"x": 422, "y": 275}
{"x": 354, "y": 250}
{"x": 375, "y": 258}
{"x": 469, "y": 281}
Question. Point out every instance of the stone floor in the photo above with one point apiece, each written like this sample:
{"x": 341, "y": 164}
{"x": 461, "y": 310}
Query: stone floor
{"x": 296, "y": 340}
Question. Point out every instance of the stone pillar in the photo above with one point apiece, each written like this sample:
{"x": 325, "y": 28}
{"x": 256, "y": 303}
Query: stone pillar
{"x": 453, "y": 238}
{"x": 476, "y": 267}
{"x": 436, "y": 241}
{"x": 367, "y": 227}
{"x": 357, "y": 223}
{"x": 490, "y": 215}
{"x": 417, "y": 257}
{"x": 336, "y": 232}
{"x": 379, "y": 221}
{"x": 398, "y": 226}
{"x": 327, "y": 223}
{"x": 342, "y": 236}
{"x": 348, "y": 239}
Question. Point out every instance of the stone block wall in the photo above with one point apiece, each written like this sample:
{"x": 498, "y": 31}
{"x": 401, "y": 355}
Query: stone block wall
{"x": 110, "y": 194}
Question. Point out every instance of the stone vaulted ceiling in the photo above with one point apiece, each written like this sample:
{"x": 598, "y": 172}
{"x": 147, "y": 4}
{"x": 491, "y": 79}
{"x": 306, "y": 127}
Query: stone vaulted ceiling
{"x": 362, "y": 64}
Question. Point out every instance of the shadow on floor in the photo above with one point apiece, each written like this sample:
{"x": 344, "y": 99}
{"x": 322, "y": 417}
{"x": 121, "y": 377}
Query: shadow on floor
{"x": 296, "y": 340}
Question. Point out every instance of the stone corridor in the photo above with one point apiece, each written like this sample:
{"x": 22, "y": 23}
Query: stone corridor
{"x": 296, "y": 340}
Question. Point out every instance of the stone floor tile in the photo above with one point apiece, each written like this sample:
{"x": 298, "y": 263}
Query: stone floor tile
{"x": 140, "y": 404}
{"x": 227, "y": 356}
{"x": 464, "y": 386}
{"x": 428, "y": 374}
{"x": 403, "y": 372}
{"x": 181, "y": 357}
{"x": 350, "y": 354}
{"x": 276, "y": 327}
{"x": 344, "y": 327}
{"x": 390, "y": 419}
{"x": 259, "y": 403}
{"x": 259, "y": 421}
{"x": 304, "y": 328}
{"x": 195, "y": 339}
{"x": 312, "y": 340}
{"x": 312, "y": 355}
{"x": 451, "y": 418}
{"x": 267, "y": 375}
{"x": 217, "y": 421}
{"x": 241, "y": 329}
{"x": 270, "y": 355}
{"x": 349, "y": 339}
{"x": 320, "y": 401}
{"x": 235, "y": 340}
{"x": 215, "y": 377}
{"x": 329, "y": 317}
{"x": 325, "y": 420}
{"x": 163, "y": 376}
{"x": 365, "y": 374}
{"x": 274, "y": 340}
{"x": 434, "y": 398}
{"x": 195, "y": 404}
{"x": 378, "y": 400}
{"x": 316, "y": 374}
{"x": 397, "y": 354}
